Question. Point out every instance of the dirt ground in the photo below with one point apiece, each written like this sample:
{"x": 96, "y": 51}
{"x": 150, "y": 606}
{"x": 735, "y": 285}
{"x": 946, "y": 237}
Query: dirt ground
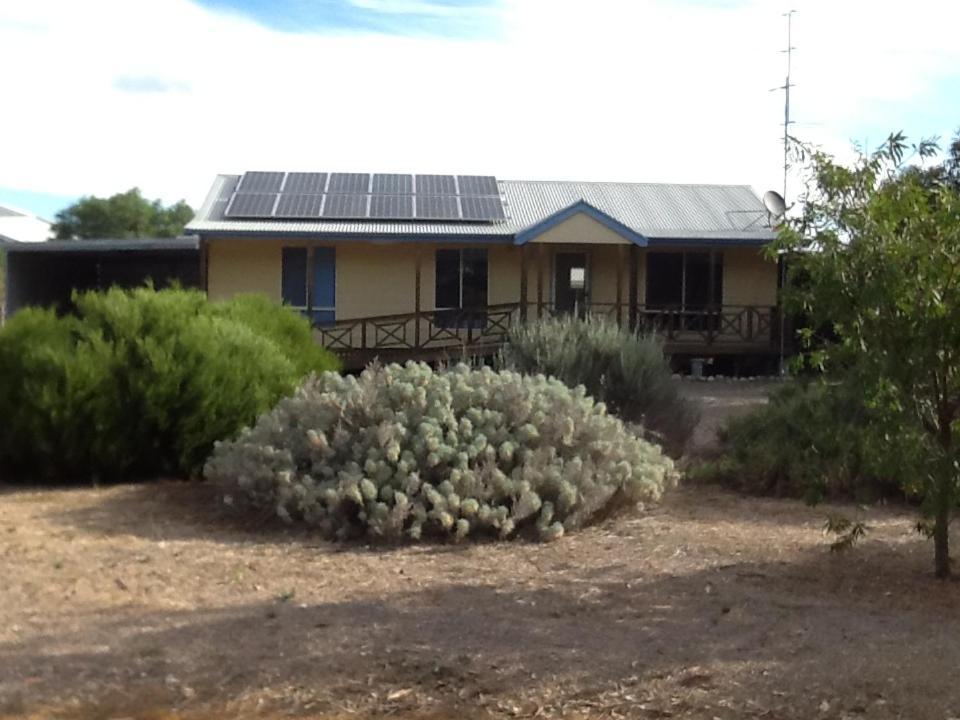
{"x": 719, "y": 401}
{"x": 156, "y": 601}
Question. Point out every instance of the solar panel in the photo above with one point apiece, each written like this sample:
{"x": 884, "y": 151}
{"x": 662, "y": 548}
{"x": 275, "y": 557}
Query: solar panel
{"x": 478, "y": 207}
{"x": 437, "y": 207}
{"x": 261, "y": 182}
{"x": 349, "y": 183}
{"x": 345, "y": 206}
{"x": 251, "y": 205}
{"x": 392, "y": 184}
{"x": 391, "y": 206}
{"x": 436, "y": 185}
{"x": 355, "y": 196}
{"x": 477, "y": 185}
{"x": 305, "y": 182}
{"x": 299, "y": 206}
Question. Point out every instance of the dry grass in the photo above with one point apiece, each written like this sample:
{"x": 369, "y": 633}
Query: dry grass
{"x": 150, "y": 602}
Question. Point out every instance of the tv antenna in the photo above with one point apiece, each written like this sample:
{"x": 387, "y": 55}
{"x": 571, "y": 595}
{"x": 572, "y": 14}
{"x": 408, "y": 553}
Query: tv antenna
{"x": 787, "y": 122}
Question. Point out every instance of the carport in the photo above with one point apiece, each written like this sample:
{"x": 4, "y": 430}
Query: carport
{"x": 46, "y": 274}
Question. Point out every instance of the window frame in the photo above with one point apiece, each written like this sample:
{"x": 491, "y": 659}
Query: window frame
{"x": 458, "y": 317}
{"x": 310, "y": 310}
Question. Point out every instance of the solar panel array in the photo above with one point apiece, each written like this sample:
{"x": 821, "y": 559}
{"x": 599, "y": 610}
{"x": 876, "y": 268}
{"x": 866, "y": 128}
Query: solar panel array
{"x": 360, "y": 196}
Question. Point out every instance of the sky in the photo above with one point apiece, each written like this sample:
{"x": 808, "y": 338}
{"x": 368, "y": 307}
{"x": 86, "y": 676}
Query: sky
{"x": 105, "y": 95}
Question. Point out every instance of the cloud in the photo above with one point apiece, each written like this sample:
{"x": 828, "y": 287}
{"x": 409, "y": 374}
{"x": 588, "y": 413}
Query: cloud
{"x": 650, "y": 90}
{"x": 147, "y": 84}
{"x": 436, "y": 18}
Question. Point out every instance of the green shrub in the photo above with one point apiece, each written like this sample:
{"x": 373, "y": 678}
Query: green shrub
{"x": 624, "y": 370}
{"x": 406, "y": 451}
{"x": 139, "y": 383}
{"x": 812, "y": 440}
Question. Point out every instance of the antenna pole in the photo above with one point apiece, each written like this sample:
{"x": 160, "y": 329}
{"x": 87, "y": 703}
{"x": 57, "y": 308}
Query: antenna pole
{"x": 786, "y": 169}
{"x": 786, "y": 105}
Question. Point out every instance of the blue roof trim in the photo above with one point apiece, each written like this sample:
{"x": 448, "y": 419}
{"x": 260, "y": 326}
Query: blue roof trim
{"x": 709, "y": 242}
{"x": 585, "y": 208}
{"x": 377, "y": 238}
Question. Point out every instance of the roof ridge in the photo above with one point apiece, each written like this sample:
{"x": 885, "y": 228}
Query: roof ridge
{"x": 628, "y": 182}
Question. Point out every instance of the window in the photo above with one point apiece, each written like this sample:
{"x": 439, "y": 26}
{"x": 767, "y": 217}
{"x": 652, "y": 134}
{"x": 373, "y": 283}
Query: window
{"x": 682, "y": 280}
{"x": 688, "y": 282}
{"x": 461, "y": 289}
{"x": 312, "y": 293}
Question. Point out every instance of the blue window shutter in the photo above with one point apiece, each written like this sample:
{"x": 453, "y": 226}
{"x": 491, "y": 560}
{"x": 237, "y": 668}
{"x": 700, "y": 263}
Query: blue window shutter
{"x": 324, "y": 285}
{"x": 293, "y": 284}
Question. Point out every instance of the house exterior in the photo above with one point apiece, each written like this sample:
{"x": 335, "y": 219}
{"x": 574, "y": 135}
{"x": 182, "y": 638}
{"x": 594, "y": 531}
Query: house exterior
{"x": 406, "y": 266}
{"x": 19, "y": 226}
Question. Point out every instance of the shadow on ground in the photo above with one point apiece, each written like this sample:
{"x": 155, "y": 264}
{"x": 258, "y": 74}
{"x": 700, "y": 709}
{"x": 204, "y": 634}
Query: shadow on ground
{"x": 743, "y": 638}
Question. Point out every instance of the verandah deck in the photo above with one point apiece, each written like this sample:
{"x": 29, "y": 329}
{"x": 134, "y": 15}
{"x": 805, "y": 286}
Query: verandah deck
{"x": 451, "y": 334}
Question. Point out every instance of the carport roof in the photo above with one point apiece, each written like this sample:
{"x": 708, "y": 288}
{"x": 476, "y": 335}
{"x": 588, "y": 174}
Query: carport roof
{"x": 107, "y": 245}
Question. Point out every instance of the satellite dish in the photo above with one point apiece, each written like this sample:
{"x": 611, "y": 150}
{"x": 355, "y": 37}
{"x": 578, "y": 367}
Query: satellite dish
{"x": 775, "y": 204}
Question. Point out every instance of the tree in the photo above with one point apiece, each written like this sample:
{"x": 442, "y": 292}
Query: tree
{"x": 878, "y": 247}
{"x": 124, "y": 215}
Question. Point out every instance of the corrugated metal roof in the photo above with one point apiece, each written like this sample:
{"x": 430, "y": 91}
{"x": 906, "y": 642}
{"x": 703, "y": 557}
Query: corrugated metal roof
{"x": 108, "y": 245}
{"x": 730, "y": 213}
{"x": 20, "y": 226}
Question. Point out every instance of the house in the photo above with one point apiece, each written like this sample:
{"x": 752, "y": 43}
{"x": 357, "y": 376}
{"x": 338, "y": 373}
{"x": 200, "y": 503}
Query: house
{"x": 402, "y": 266}
{"x": 19, "y": 226}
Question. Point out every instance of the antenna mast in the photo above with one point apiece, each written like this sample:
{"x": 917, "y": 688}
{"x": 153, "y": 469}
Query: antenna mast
{"x": 787, "y": 122}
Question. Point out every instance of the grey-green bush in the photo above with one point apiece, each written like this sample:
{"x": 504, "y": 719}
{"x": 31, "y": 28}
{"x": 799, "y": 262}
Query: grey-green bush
{"x": 139, "y": 383}
{"x": 625, "y": 370}
{"x": 403, "y": 451}
{"x": 812, "y": 440}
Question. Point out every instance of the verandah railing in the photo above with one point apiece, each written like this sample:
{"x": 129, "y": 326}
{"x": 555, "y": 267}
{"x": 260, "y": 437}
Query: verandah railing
{"x": 741, "y": 326}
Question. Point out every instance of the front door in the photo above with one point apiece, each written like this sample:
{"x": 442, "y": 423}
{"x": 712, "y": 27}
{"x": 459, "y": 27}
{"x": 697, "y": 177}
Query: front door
{"x": 567, "y": 298}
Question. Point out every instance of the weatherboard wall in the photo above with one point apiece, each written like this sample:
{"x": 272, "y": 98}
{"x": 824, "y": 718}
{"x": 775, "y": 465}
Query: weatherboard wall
{"x": 376, "y": 278}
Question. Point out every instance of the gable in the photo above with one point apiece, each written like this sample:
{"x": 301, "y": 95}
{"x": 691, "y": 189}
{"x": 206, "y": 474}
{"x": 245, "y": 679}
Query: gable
{"x": 579, "y": 223}
{"x": 580, "y": 228}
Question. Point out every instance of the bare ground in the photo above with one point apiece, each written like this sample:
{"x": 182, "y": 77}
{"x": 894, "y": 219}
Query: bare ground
{"x": 140, "y": 599}
{"x": 719, "y": 401}
{"x": 155, "y": 601}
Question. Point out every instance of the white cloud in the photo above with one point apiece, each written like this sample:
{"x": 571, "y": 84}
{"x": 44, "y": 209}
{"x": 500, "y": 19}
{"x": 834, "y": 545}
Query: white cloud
{"x": 649, "y": 90}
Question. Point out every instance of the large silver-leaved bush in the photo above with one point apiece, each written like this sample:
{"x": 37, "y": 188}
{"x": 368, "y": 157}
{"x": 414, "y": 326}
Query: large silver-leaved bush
{"x": 403, "y": 450}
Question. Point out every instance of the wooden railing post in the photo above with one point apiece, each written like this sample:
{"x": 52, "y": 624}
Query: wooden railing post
{"x": 634, "y": 265}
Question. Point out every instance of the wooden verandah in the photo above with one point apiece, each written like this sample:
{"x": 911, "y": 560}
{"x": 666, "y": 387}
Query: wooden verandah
{"x": 439, "y": 334}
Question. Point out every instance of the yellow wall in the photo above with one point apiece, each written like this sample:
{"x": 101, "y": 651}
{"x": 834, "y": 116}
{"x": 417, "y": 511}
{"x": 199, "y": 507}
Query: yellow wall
{"x": 748, "y": 277}
{"x": 379, "y": 278}
{"x": 243, "y": 266}
{"x": 581, "y": 229}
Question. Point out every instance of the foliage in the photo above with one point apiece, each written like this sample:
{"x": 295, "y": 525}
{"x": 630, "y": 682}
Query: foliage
{"x": 406, "y": 451}
{"x": 138, "y": 382}
{"x": 812, "y": 440}
{"x": 624, "y": 370}
{"x": 878, "y": 245}
{"x": 124, "y": 215}
{"x": 288, "y": 330}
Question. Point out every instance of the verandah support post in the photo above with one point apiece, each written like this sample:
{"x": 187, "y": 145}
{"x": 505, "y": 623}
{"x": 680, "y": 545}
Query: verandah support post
{"x": 416, "y": 298}
{"x": 634, "y": 264}
{"x": 712, "y": 311}
{"x": 539, "y": 281}
{"x": 523, "y": 283}
{"x": 620, "y": 265}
